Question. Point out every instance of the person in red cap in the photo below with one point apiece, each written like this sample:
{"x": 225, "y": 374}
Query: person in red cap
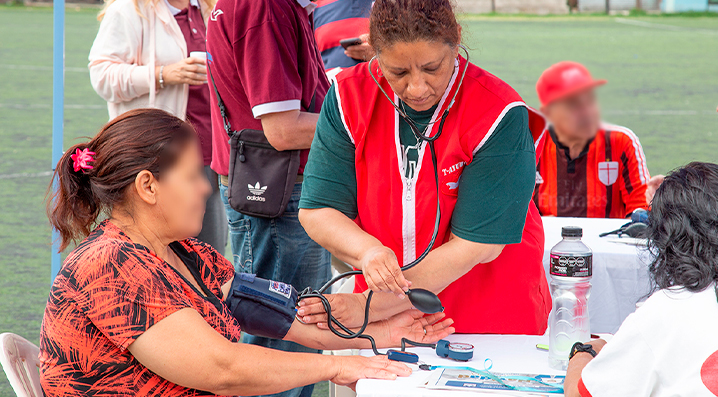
{"x": 588, "y": 168}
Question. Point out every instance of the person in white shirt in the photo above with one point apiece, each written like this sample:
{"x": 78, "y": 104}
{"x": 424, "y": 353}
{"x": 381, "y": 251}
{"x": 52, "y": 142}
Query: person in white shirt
{"x": 142, "y": 57}
{"x": 669, "y": 346}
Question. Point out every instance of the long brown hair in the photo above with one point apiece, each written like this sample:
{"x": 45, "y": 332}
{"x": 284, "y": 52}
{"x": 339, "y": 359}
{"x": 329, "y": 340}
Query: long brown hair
{"x": 140, "y": 139}
{"x": 394, "y": 21}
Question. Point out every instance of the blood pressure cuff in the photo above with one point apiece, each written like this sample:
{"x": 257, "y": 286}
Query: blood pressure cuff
{"x": 262, "y": 307}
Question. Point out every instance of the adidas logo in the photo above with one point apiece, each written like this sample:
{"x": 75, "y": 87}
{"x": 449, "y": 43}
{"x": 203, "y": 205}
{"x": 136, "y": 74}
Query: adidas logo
{"x": 257, "y": 190}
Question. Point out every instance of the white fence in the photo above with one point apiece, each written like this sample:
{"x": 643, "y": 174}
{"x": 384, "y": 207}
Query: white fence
{"x": 550, "y": 6}
{"x": 513, "y": 6}
{"x": 617, "y": 5}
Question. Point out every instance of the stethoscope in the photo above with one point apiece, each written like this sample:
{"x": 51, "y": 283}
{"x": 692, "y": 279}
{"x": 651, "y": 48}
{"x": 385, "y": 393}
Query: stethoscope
{"x": 423, "y": 300}
{"x": 422, "y": 137}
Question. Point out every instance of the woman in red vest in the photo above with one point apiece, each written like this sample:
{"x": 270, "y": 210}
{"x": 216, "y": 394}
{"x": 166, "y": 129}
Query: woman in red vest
{"x": 417, "y": 122}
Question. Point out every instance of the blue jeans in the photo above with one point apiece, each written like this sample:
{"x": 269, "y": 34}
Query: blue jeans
{"x": 278, "y": 249}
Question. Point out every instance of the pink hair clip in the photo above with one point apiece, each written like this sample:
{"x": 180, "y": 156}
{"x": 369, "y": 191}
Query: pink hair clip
{"x": 80, "y": 159}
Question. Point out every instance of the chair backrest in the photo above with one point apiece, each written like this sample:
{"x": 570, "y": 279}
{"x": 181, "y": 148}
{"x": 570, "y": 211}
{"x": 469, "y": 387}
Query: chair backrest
{"x": 19, "y": 359}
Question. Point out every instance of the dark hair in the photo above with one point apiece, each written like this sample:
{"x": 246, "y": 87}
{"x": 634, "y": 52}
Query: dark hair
{"x": 683, "y": 229}
{"x": 393, "y": 21}
{"x": 140, "y": 139}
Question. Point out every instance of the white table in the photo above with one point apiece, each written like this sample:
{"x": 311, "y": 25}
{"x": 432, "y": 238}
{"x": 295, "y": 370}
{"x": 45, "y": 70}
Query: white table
{"x": 620, "y": 271}
{"x": 620, "y": 279}
{"x": 509, "y": 353}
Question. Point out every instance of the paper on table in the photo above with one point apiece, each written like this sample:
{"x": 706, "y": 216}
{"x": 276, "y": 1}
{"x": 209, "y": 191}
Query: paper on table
{"x": 467, "y": 380}
{"x": 509, "y": 354}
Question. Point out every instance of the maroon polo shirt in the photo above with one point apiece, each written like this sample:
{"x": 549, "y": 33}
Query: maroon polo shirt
{"x": 262, "y": 55}
{"x": 193, "y": 29}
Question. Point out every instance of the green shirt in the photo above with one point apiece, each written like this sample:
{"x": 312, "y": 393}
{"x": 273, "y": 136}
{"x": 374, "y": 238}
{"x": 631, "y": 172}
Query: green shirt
{"x": 410, "y": 144}
{"x": 495, "y": 189}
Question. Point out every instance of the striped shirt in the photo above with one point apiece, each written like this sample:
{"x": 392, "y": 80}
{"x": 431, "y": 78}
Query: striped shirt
{"x": 336, "y": 20}
{"x": 607, "y": 180}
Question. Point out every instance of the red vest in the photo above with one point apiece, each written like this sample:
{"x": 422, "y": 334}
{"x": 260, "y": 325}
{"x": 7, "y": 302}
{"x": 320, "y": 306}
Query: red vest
{"x": 509, "y": 295}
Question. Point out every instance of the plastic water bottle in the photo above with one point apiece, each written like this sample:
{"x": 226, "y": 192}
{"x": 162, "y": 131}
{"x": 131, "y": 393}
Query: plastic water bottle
{"x": 571, "y": 269}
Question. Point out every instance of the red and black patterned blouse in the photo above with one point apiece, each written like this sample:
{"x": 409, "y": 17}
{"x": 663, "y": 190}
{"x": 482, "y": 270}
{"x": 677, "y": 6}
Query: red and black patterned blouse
{"x": 108, "y": 292}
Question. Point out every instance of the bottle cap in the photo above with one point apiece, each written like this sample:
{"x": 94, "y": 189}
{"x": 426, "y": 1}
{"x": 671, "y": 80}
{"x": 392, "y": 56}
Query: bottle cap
{"x": 571, "y": 231}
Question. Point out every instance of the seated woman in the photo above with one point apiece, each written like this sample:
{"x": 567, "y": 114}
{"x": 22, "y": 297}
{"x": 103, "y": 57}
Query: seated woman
{"x": 668, "y": 347}
{"x": 137, "y": 308}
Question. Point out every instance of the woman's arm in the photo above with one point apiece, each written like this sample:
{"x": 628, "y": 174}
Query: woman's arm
{"x": 441, "y": 267}
{"x": 225, "y": 368}
{"x": 576, "y": 366}
{"x": 573, "y": 374}
{"x": 410, "y": 324}
{"x": 115, "y": 72}
{"x": 343, "y": 238}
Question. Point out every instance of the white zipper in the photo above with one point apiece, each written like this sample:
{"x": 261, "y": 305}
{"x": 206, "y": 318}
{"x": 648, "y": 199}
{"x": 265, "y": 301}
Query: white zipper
{"x": 408, "y": 224}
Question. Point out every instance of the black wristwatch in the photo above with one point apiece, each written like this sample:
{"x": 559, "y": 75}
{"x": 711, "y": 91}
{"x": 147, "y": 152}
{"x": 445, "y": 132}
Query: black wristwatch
{"x": 579, "y": 347}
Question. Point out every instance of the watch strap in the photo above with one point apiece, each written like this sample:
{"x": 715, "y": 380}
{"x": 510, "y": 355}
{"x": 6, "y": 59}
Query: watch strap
{"x": 579, "y": 347}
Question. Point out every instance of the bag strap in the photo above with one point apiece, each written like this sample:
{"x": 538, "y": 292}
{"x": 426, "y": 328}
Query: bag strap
{"x": 312, "y": 104}
{"x": 191, "y": 260}
{"x": 223, "y": 108}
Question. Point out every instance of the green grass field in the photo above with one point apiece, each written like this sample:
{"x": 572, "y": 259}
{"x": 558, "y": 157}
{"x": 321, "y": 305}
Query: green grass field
{"x": 663, "y": 84}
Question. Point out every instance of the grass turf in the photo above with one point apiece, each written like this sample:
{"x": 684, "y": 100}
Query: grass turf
{"x": 662, "y": 84}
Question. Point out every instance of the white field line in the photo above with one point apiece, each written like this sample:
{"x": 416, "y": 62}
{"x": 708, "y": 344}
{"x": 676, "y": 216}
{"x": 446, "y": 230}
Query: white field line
{"x": 26, "y": 175}
{"x": 659, "y": 112}
{"x": 654, "y": 25}
{"x": 47, "y": 68}
{"x": 48, "y": 106}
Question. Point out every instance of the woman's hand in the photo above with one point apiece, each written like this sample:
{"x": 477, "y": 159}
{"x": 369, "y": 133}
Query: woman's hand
{"x": 353, "y": 368}
{"x": 192, "y": 71}
{"x": 653, "y": 184}
{"x": 413, "y": 325}
{"x": 382, "y": 271}
{"x": 347, "y": 308}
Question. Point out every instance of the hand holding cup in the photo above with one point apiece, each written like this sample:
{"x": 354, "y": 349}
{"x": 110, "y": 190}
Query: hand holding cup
{"x": 191, "y": 70}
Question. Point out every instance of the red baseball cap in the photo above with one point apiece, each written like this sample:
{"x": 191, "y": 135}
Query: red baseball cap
{"x": 564, "y": 79}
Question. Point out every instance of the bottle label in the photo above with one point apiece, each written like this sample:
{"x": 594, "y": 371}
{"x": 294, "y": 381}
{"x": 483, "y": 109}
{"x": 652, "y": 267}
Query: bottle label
{"x": 572, "y": 265}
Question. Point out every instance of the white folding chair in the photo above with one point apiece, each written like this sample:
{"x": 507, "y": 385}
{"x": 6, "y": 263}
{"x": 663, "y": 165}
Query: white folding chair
{"x": 19, "y": 359}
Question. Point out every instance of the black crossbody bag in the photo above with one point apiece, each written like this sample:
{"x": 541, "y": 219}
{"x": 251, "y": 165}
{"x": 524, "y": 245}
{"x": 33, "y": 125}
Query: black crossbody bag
{"x": 261, "y": 178}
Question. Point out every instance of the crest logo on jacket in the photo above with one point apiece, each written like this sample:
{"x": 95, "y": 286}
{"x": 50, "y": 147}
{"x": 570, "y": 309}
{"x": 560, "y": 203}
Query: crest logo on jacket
{"x": 608, "y": 172}
{"x": 454, "y": 185}
{"x": 215, "y": 14}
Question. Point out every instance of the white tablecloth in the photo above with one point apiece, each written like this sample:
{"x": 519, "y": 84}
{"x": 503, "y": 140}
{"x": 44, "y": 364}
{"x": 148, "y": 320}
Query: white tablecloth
{"x": 509, "y": 353}
{"x": 620, "y": 275}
